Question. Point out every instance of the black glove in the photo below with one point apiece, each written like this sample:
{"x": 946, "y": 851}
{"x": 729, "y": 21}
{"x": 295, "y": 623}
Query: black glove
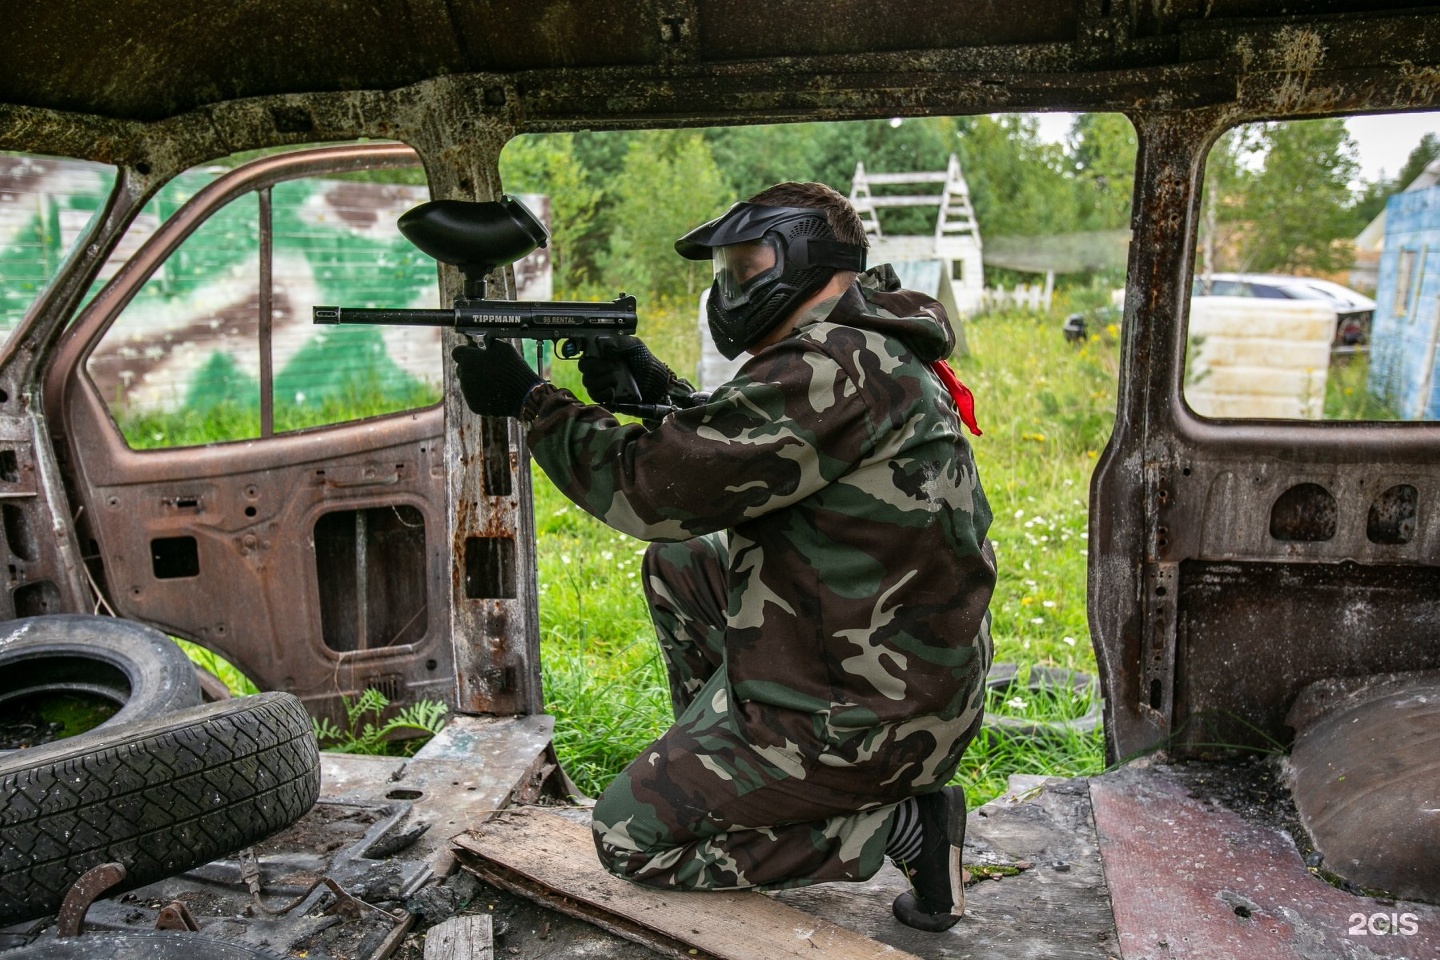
{"x": 494, "y": 379}
{"x": 603, "y": 373}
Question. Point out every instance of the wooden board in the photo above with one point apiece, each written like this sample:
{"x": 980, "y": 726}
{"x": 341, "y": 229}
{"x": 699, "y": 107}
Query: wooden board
{"x": 551, "y": 859}
{"x": 461, "y": 938}
{"x": 1055, "y": 908}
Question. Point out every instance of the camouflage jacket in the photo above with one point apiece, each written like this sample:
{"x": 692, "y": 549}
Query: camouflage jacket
{"x": 859, "y": 572}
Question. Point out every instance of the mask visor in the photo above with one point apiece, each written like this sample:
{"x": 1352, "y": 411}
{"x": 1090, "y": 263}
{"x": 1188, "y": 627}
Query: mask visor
{"x": 743, "y": 268}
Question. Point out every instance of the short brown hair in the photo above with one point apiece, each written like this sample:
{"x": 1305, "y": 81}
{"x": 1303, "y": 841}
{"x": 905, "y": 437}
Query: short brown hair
{"x": 837, "y": 209}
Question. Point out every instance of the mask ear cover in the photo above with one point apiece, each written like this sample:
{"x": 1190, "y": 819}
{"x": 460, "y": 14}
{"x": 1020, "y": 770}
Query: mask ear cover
{"x": 812, "y": 256}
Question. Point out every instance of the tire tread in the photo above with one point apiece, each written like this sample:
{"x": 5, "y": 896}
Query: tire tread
{"x": 185, "y": 789}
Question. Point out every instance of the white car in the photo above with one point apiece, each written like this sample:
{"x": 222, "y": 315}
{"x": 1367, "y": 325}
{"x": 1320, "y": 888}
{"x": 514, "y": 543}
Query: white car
{"x": 1353, "y": 311}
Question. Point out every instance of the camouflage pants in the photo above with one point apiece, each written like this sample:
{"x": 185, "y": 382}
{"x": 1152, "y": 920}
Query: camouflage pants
{"x": 701, "y": 808}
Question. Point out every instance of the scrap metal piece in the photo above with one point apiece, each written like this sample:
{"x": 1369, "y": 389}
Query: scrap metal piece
{"x": 1366, "y": 781}
{"x": 176, "y": 916}
{"x": 1191, "y": 878}
{"x": 353, "y": 907}
{"x": 92, "y": 883}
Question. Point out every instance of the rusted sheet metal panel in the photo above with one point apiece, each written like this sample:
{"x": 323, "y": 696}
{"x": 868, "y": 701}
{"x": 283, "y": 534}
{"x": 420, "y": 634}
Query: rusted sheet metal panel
{"x": 1118, "y": 61}
{"x": 744, "y": 30}
{"x": 1131, "y": 599}
{"x": 1366, "y": 775}
{"x": 88, "y": 56}
{"x": 1192, "y": 879}
{"x": 492, "y": 589}
{"x": 272, "y": 538}
{"x": 507, "y": 35}
{"x": 1251, "y": 636}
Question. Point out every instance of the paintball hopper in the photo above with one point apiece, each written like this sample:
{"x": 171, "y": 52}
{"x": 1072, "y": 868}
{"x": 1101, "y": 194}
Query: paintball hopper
{"x": 475, "y": 236}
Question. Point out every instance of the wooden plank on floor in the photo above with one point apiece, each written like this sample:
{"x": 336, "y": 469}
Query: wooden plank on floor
{"x": 552, "y": 860}
{"x": 461, "y": 938}
{"x": 1056, "y": 907}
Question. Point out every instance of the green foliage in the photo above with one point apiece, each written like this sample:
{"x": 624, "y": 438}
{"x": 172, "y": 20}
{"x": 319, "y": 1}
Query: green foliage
{"x": 550, "y": 165}
{"x": 1278, "y": 198}
{"x": 1420, "y": 157}
{"x": 189, "y": 426}
{"x": 1044, "y": 702}
{"x": 633, "y": 193}
{"x": 1102, "y": 150}
{"x": 1298, "y": 203}
{"x": 231, "y": 419}
{"x": 217, "y": 666}
{"x": 1370, "y": 202}
{"x": 667, "y": 185}
{"x": 1347, "y": 396}
{"x": 367, "y": 732}
{"x": 1019, "y": 185}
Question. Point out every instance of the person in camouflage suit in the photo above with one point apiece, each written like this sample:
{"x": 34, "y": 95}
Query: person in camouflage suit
{"x": 819, "y": 579}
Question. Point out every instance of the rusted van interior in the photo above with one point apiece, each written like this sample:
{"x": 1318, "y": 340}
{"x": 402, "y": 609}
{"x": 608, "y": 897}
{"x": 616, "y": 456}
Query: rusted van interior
{"x": 1252, "y": 582}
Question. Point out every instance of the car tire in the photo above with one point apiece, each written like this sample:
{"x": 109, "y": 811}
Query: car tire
{"x": 1004, "y": 677}
{"x": 141, "y": 945}
{"x": 135, "y": 667}
{"x": 158, "y": 797}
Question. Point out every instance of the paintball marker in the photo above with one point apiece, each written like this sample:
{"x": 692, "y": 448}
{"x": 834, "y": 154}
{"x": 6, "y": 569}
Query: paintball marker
{"x": 477, "y": 238}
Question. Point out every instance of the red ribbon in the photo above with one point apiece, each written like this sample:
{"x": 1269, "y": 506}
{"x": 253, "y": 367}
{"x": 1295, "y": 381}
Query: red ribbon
{"x": 964, "y": 399}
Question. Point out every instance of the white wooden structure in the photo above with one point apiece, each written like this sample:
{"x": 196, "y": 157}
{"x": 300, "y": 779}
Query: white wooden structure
{"x": 955, "y": 242}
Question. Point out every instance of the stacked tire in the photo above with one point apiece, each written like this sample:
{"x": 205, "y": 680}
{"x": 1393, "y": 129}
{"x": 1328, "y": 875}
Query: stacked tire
{"x": 159, "y": 789}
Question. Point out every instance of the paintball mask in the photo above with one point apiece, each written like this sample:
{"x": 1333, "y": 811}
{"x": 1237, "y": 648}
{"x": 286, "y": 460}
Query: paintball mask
{"x": 767, "y": 260}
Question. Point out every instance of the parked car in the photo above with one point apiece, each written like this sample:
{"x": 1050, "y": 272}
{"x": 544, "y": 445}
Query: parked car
{"x": 1353, "y": 311}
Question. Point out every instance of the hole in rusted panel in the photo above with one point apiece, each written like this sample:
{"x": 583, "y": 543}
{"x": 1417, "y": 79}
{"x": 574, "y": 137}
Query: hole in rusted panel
{"x": 370, "y": 567}
{"x": 1392, "y": 515}
{"x": 35, "y": 599}
{"x": 174, "y": 557}
{"x": 9, "y": 466}
{"x": 1305, "y": 512}
{"x": 495, "y": 456}
{"x": 19, "y": 537}
{"x": 390, "y": 685}
{"x": 1156, "y": 694}
{"x": 489, "y": 568}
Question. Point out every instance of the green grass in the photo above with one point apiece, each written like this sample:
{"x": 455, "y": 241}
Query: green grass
{"x": 230, "y": 420}
{"x": 1345, "y": 395}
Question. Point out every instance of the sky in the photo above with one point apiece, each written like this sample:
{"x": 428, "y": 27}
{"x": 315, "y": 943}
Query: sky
{"x": 1384, "y": 141}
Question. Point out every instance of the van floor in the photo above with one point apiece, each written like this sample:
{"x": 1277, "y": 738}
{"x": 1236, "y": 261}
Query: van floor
{"x": 1151, "y": 860}
{"x": 1186, "y": 861}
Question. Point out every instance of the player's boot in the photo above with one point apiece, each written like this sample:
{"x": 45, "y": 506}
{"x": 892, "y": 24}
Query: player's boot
{"x": 936, "y": 898}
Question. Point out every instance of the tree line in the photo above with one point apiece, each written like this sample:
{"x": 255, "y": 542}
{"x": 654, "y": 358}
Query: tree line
{"x": 1277, "y": 196}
